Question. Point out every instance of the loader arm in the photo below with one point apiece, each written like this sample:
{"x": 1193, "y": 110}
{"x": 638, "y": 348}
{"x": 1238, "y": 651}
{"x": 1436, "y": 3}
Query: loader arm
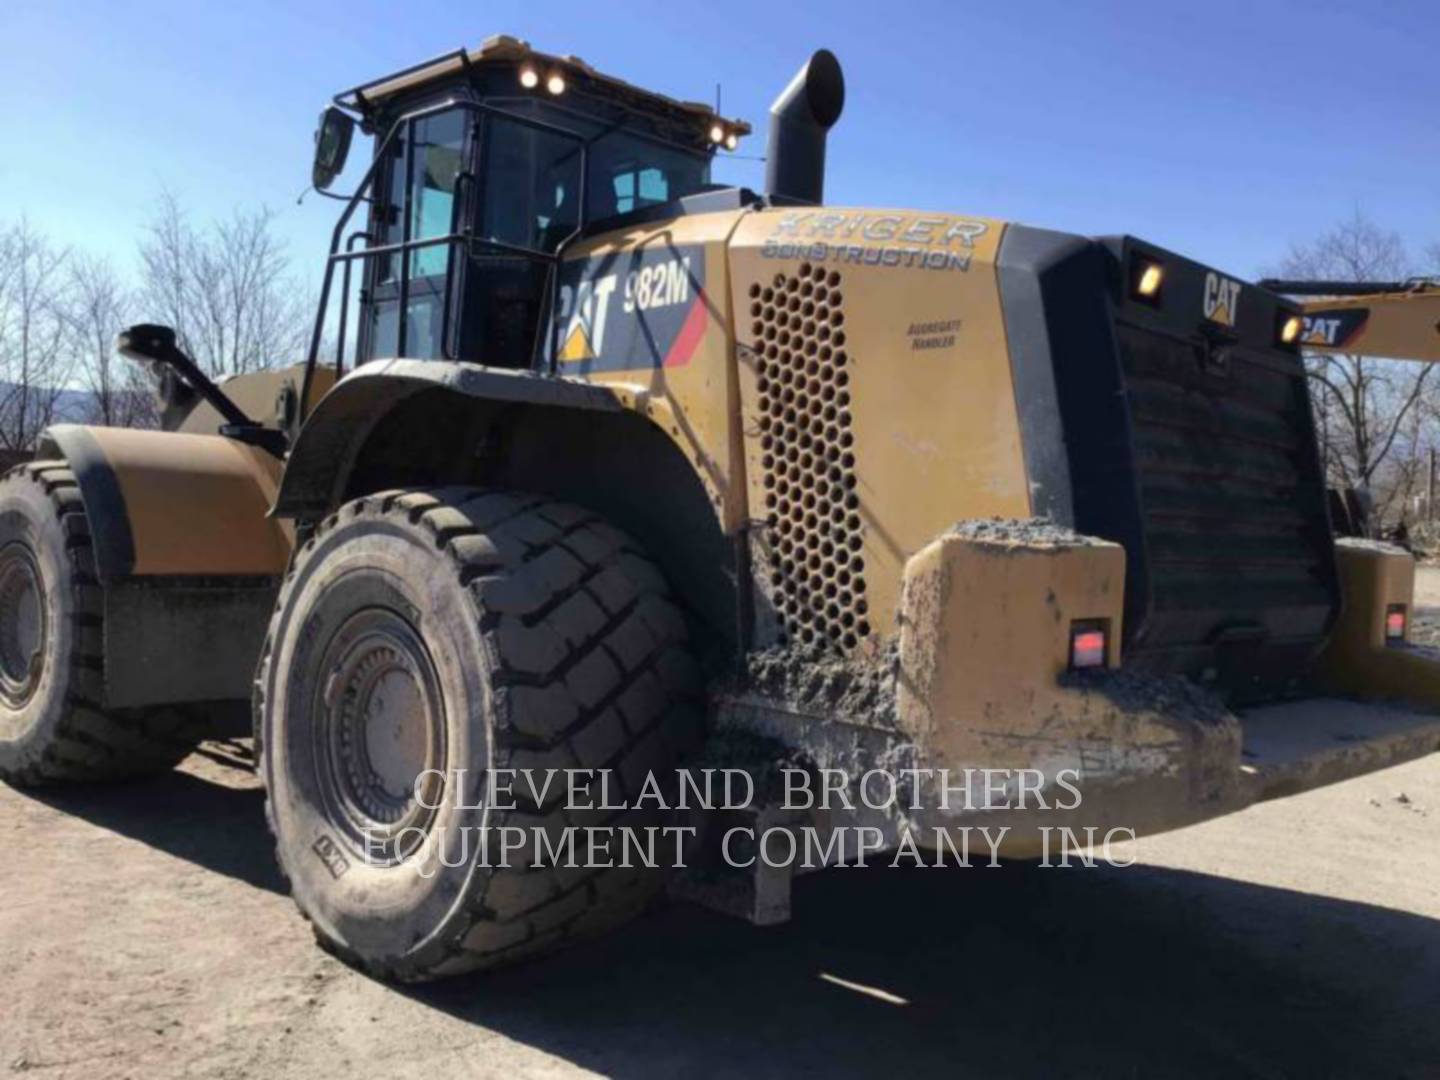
{"x": 1395, "y": 320}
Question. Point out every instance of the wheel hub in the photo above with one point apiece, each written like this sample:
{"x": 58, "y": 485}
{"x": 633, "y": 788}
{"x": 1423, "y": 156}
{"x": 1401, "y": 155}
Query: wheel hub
{"x": 381, "y": 729}
{"x": 22, "y": 624}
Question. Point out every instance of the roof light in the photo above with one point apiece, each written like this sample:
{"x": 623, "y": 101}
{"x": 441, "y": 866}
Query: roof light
{"x": 732, "y": 141}
{"x": 1087, "y": 645}
{"x": 1395, "y": 624}
{"x": 529, "y": 77}
{"x": 1149, "y": 280}
{"x": 717, "y": 133}
{"x": 1290, "y": 330}
{"x": 555, "y": 83}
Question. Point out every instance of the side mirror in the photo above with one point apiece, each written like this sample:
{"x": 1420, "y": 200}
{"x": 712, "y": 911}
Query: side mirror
{"x": 145, "y": 342}
{"x": 332, "y": 145}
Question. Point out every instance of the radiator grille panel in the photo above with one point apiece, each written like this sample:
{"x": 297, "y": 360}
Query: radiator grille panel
{"x": 811, "y": 502}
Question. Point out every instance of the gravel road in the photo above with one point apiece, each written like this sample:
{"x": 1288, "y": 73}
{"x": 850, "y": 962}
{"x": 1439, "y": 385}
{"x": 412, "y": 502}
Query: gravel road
{"x": 144, "y": 932}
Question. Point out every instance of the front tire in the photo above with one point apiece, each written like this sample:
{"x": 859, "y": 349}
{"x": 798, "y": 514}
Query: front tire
{"x": 53, "y": 726}
{"x": 434, "y": 636}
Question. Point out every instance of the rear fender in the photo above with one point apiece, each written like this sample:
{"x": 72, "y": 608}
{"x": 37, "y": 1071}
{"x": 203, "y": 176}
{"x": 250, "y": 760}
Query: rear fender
{"x": 625, "y": 451}
{"x": 319, "y": 467}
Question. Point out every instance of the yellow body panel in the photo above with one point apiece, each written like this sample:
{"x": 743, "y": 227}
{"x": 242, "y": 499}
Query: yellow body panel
{"x": 902, "y": 366}
{"x": 984, "y": 649}
{"x": 197, "y": 504}
{"x": 693, "y": 403}
{"x": 986, "y": 639}
{"x": 257, "y": 393}
{"x": 820, "y": 328}
{"x": 1357, "y": 659}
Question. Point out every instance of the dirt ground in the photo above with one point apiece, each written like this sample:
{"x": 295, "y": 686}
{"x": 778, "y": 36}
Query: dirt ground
{"x": 144, "y": 932}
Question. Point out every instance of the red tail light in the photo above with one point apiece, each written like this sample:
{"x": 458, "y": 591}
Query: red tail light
{"x": 1087, "y": 645}
{"x": 1395, "y": 624}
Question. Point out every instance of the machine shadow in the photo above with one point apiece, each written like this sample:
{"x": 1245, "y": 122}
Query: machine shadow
{"x": 163, "y": 812}
{"x": 1022, "y": 971}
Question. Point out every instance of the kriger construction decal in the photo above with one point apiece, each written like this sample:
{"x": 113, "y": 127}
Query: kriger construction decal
{"x": 632, "y": 310}
{"x": 869, "y": 239}
{"x": 1334, "y": 329}
{"x": 1221, "y": 299}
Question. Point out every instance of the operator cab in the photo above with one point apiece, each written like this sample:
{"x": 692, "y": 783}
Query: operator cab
{"x": 487, "y": 164}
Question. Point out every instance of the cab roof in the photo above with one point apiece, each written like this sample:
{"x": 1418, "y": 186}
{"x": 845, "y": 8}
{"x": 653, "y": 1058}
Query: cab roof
{"x": 502, "y": 48}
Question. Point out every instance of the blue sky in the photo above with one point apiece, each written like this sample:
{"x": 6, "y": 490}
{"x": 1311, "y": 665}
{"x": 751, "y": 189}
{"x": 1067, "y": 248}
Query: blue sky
{"x": 1223, "y": 130}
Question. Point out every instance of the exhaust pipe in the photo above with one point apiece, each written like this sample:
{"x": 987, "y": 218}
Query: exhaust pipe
{"x": 799, "y": 120}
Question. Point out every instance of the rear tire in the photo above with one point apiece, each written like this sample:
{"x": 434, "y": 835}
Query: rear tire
{"x": 450, "y": 630}
{"x": 52, "y": 725}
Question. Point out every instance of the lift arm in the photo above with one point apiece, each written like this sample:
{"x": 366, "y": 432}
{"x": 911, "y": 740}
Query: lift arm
{"x": 1399, "y": 320}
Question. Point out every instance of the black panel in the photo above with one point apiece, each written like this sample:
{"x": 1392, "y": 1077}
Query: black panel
{"x": 1029, "y": 261}
{"x": 184, "y": 639}
{"x": 1235, "y": 519}
{"x": 1189, "y": 441}
{"x": 1070, "y": 394}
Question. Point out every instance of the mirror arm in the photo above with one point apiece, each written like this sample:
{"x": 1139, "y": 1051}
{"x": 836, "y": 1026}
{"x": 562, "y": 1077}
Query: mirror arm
{"x": 332, "y": 195}
{"x": 157, "y": 344}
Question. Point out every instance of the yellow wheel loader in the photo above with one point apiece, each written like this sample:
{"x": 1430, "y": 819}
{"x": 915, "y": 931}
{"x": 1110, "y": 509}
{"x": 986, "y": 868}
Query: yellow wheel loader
{"x": 596, "y": 467}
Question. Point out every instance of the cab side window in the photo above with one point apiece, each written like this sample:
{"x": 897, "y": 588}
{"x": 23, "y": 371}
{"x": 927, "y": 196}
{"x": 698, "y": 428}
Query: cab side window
{"x": 430, "y": 168}
{"x": 638, "y": 186}
{"x": 438, "y": 154}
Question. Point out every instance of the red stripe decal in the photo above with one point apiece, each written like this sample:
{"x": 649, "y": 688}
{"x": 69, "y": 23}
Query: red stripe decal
{"x": 691, "y": 333}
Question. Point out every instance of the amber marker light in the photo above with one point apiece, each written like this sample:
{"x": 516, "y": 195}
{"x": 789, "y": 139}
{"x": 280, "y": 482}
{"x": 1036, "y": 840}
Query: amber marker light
{"x": 1149, "y": 280}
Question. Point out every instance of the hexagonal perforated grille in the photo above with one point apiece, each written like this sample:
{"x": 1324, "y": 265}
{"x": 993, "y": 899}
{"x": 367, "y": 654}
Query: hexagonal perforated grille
{"x": 808, "y": 459}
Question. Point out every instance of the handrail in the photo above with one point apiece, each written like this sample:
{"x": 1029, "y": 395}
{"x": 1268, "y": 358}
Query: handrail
{"x": 359, "y": 234}
{"x": 407, "y": 244}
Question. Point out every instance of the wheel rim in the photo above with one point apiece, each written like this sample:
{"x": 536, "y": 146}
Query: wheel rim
{"x": 22, "y": 624}
{"x": 380, "y": 729}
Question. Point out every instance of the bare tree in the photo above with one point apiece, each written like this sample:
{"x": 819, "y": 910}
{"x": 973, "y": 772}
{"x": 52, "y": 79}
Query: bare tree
{"x": 1366, "y": 410}
{"x": 122, "y": 393}
{"x": 227, "y": 290}
{"x": 34, "y": 361}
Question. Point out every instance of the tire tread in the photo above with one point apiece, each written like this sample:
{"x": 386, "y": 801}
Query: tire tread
{"x": 92, "y": 743}
{"x": 563, "y": 654}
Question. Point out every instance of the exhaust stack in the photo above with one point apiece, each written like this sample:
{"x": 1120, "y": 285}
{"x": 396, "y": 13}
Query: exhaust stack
{"x": 800, "y": 118}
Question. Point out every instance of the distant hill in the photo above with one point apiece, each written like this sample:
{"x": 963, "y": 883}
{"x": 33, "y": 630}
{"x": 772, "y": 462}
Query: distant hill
{"x": 73, "y": 406}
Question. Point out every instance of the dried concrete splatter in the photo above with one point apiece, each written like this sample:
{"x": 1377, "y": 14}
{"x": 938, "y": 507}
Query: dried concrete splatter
{"x": 1357, "y": 543}
{"x": 1020, "y": 532}
{"x": 808, "y": 680}
{"x": 1134, "y": 692}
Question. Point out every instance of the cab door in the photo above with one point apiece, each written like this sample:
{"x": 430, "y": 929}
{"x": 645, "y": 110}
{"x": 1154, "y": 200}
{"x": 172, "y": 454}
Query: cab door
{"x": 420, "y": 199}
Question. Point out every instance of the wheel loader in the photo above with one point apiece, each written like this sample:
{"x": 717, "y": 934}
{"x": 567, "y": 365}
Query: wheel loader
{"x": 596, "y": 466}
